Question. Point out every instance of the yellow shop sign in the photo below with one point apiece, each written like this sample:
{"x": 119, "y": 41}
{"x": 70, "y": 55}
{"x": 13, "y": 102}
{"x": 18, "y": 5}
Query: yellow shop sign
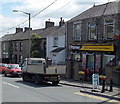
{"x": 94, "y": 47}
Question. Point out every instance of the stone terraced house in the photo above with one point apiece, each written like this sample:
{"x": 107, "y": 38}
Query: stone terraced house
{"x": 93, "y": 43}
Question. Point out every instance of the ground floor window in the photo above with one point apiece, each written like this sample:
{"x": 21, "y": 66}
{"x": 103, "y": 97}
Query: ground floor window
{"x": 94, "y": 63}
{"x": 83, "y": 61}
{"x": 20, "y": 58}
{"x": 90, "y": 62}
{"x": 76, "y": 56}
{"x": 107, "y": 59}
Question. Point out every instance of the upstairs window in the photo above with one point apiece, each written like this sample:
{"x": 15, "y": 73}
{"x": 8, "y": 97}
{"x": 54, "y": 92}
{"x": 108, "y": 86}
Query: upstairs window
{"x": 92, "y": 31}
{"x": 109, "y": 29}
{"x": 20, "y": 58}
{"x": 4, "y": 46}
{"x": 16, "y": 46}
{"x": 77, "y": 31}
{"x": 55, "y": 41}
{"x": 21, "y": 46}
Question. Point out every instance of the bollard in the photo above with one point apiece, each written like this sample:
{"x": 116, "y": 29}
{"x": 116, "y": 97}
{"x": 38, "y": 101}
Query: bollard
{"x": 103, "y": 86}
{"x": 111, "y": 87}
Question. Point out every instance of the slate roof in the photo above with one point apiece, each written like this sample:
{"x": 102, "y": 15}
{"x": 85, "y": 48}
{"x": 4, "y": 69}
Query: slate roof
{"x": 48, "y": 31}
{"x": 96, "y": 11}
{"x": 24, "y": 35}
{"x": 58, "y": 49}
{"x": 60, "y": 31}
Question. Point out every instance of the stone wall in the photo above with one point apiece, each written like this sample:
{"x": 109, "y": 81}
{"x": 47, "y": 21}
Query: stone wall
{"x": 112, "y": 72}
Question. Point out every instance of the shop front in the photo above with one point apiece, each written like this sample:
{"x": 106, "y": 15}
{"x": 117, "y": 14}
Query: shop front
{"x": 94, "y": 57}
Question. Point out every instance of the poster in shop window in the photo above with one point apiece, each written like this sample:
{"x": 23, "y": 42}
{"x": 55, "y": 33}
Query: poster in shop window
{"x": 83, "y": 61}
{"x": 98, "y": 62}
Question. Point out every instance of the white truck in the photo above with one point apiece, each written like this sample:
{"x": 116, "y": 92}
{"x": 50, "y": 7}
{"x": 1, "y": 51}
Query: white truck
{"x": 34, "y": 69}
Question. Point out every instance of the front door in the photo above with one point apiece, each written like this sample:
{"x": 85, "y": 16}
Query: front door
{"x": 15, "y": 58}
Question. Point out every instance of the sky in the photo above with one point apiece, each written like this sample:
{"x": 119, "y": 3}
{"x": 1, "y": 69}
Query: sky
{"x": 66, "y": 9}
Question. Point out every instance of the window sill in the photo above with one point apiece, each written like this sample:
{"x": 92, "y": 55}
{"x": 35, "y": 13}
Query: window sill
{"x": 92, "y": 39}
{"x": 55, "y": 46}
{"x": 77, "y": 39}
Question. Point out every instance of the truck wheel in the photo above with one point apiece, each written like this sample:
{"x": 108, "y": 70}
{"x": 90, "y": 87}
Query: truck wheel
{"x": 36, "y": 79}
{"x": 5, "y": 74}
{"x": 24, "y": 77}
{"x": 55, "y": 83}
{"x": 11, "y": 74}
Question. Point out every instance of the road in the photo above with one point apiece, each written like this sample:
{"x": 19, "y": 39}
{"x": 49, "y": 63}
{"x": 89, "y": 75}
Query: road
{"x": 15, "y": 90}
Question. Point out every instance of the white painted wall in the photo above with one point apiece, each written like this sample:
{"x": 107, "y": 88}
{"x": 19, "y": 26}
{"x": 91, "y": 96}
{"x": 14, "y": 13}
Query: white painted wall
{"x": 60, "y": 56}
{"x": 49, "y": 44}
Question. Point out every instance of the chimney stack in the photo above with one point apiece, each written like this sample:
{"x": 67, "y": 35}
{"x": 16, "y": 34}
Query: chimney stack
{"x": 49, "y": 24}
{"x": 61, "y": 22}
{"x": 19, "y": 30}
{"x": 27, "y": 29}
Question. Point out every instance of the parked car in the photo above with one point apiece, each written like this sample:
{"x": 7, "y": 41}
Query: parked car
{"x": 13, "y": 70}
{"x": 2, "y": 67}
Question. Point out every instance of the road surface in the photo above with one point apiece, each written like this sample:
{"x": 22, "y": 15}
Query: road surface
{"x": 15, "y": 90}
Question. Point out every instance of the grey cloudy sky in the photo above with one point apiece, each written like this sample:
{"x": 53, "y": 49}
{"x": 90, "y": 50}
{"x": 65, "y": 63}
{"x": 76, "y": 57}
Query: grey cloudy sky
{"x": 61, "y": 8}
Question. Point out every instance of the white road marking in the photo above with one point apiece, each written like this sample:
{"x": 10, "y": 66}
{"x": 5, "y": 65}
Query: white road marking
{"x": 11, "y": 85}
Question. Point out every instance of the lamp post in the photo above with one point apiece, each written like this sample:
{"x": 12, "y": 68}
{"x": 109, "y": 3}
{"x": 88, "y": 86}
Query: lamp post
{"x": 28, "y": 31}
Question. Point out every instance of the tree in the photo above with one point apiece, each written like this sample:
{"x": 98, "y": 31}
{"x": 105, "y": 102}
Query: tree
{"x": 36, "y": 50}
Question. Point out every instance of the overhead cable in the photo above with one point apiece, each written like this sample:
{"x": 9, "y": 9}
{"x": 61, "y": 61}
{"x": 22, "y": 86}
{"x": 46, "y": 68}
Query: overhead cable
{"x": 31, "y": 17}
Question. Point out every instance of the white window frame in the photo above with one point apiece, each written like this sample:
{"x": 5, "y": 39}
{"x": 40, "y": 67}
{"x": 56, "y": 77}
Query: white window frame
{"x": 77, "y": 28}
{"x": 4, "y": 46}
{"x": 7, "y": 55}
{"x": 55, "y": 41}
{"x": 106, "y": 36}
{"x": 20, "y": 58}
{"x": 90, "y": 26}
{"x": 21, "y": 46}
{"x": 16, "y": 46}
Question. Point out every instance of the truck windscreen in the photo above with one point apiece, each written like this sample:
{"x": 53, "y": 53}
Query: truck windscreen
{"x": 35, "y": 62}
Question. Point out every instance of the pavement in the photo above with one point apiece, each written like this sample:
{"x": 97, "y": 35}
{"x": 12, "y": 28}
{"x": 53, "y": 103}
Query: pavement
{"x": 86, "y": 87}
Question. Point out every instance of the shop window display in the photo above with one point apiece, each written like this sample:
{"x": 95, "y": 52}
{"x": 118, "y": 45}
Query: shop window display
{"x": 90, "y": 62}
{"x": 98, "y": 64}
{"x": 107, "y": 59}
{"x": 83, "y": 62}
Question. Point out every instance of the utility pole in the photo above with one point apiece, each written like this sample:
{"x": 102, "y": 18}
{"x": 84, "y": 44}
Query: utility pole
{"x": 29, "y": 47}
{"x": 29, "y": 43}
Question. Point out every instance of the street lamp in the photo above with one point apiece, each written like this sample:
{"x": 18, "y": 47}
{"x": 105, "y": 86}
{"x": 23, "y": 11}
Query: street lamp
{"x": 29, "y": 30}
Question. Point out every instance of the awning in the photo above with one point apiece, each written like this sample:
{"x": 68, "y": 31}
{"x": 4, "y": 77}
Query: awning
{"x": 58, "y": 49}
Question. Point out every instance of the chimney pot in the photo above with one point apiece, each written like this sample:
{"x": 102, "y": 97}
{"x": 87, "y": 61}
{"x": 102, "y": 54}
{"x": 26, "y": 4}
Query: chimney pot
{"x": 27, "y": 29}
{"x": 19, "y": 30}
{"x": 49, "y": 24}
{"x": 61, "y": 22}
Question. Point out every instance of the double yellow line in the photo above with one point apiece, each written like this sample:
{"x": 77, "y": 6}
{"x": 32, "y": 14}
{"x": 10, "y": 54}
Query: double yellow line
{"x": 97, "y": 97}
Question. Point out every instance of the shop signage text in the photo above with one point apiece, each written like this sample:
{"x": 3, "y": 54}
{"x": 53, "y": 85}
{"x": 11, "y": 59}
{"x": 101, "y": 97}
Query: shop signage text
{"x": 94, "y": 47}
